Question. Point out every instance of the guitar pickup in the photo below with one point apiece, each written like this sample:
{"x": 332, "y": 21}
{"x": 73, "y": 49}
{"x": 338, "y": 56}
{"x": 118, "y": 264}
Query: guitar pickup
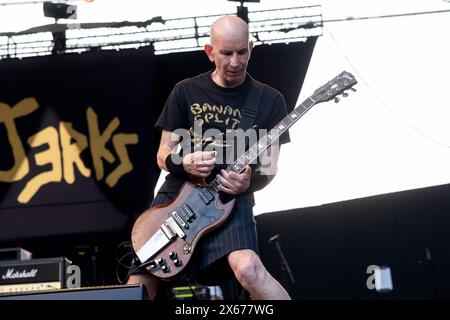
{"x": 188, "y": 213}
{"x": 180, "y": 220}
{"x": 206, "y": 196}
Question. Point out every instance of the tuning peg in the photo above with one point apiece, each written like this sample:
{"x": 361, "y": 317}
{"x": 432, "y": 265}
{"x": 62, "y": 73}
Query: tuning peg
{"x": 353, "y": 89}
{"x": 345, "y": 94}
{"x": 337, "y": 99}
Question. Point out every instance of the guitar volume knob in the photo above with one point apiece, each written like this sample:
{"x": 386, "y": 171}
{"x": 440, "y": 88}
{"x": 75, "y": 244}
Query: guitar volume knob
{"x": 165, "y": 268}
{"x": 153, "y": 265}
{"x": 173, "y": 255}
{"x": 177, "y": 262}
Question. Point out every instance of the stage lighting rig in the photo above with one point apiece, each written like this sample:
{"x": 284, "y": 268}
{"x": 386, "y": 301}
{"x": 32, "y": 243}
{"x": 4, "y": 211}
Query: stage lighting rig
{"x": 242, "y": 12}
{"x": 59, "y": 10}
{"x": 183, "y": 34}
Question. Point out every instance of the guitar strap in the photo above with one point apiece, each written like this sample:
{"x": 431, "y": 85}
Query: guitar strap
{"x": 250, "y": 110}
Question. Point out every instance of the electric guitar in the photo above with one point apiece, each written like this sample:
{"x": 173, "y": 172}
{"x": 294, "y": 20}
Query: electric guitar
{"x": 164, "y": 237}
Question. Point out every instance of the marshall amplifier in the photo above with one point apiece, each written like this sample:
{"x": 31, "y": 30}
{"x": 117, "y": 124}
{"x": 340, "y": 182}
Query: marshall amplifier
{"x": 33, "y": 275}
{"x": 8, "y": 254}
{"x": 119, "y": 292}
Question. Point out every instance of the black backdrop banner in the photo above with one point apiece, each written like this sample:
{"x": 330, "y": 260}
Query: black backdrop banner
{"x": 77, "y": 143}
{"x": 77, "y": 139}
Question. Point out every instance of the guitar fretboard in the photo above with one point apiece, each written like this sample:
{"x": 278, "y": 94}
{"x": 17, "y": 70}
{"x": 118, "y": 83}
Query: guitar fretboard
{"x": 331, "y": 89}
{"x": 265, "y": 142}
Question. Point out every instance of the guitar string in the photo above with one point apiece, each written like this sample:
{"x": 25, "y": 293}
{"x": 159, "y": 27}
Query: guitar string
{"x": 267, "y": 142}
{"x": 292, "y": 119}
{"x": 242, "y": 161}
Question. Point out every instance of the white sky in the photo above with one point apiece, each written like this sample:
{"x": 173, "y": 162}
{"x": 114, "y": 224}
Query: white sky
{"x": 393, "y": 134}
{"x": 362, "y": 146}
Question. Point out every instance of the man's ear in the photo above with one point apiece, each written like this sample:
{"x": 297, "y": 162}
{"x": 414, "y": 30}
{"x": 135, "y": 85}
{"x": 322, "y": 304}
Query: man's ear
{"x": 209, "y": 52}
{"x": 250, "y": 47}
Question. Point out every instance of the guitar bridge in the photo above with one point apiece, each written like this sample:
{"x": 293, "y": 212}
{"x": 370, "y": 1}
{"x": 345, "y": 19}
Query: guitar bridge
{"x": 170, "y": 234}
{"x": 173, "y": 225}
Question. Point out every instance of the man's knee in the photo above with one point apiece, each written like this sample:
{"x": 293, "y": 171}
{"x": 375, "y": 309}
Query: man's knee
{"x": 247, "y": 266}
{"x": 150, "y": 282}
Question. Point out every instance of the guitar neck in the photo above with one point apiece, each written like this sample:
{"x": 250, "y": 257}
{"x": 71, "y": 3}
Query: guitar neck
{"x": 330, "y": 90}
{"x": 266, "y": 141}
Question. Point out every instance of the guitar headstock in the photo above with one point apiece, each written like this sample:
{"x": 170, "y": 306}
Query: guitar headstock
{"x": 335, "y": 87}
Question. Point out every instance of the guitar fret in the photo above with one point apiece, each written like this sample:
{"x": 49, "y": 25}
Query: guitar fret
{"x": 191, "y": 208}
{"x": 260, "y": 145}
{"x": 266, "y": 141}
{"x": 275, "y": 133}
{"x": 215, "y": 185}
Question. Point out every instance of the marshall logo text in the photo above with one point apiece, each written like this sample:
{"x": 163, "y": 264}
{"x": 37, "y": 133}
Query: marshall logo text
{"x": 14, "y": 274}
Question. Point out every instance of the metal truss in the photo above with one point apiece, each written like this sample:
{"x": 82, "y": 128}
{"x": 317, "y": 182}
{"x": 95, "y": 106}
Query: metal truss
{"x": 171, "y": 35}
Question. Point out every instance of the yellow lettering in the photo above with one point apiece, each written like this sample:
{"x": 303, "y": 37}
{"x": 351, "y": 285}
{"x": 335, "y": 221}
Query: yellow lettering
{"x": 216, "y": 118}
{"x": 51, "y": 156}
{"x": 21, "y": 165}
{"x": 229, "y": 110}
{"x": 196, "y": 109}
{"x": 71, "y": 151}
{"x": 208, "y": 117}
{"x": 120, "y": 141}
{"x": 235, "y": 122}
{"x": 98, "y": 141}
{"x": 237, "y": 113}
{"x": 206, "y": 106}
{"x": 198, "y": 119}
{"x": 218, "y": 109}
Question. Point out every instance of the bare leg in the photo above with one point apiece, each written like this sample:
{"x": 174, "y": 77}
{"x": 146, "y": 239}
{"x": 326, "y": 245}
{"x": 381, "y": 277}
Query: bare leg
{"x": 254, "y": 277}
{"x": 151, "y": 283}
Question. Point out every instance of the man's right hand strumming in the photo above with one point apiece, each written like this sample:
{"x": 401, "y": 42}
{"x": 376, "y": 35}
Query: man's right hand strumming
{"x": 199, "y": 163}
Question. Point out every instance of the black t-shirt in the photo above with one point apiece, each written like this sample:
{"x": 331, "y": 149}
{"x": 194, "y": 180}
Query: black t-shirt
{"x": 199, "y": 99}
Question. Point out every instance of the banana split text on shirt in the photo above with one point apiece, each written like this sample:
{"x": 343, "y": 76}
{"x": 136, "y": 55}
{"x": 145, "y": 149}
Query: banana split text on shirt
{"x": 208, "y": 113}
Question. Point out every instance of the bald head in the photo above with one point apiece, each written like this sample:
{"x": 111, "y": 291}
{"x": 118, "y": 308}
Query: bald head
{"x": 229, "y": 50}
{"x": 229, "y": 27}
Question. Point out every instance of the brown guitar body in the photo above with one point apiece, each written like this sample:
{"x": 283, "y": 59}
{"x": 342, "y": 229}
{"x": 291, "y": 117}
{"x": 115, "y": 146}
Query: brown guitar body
{"x": 164, "y": 237}
{"x": 208, "y": 216}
